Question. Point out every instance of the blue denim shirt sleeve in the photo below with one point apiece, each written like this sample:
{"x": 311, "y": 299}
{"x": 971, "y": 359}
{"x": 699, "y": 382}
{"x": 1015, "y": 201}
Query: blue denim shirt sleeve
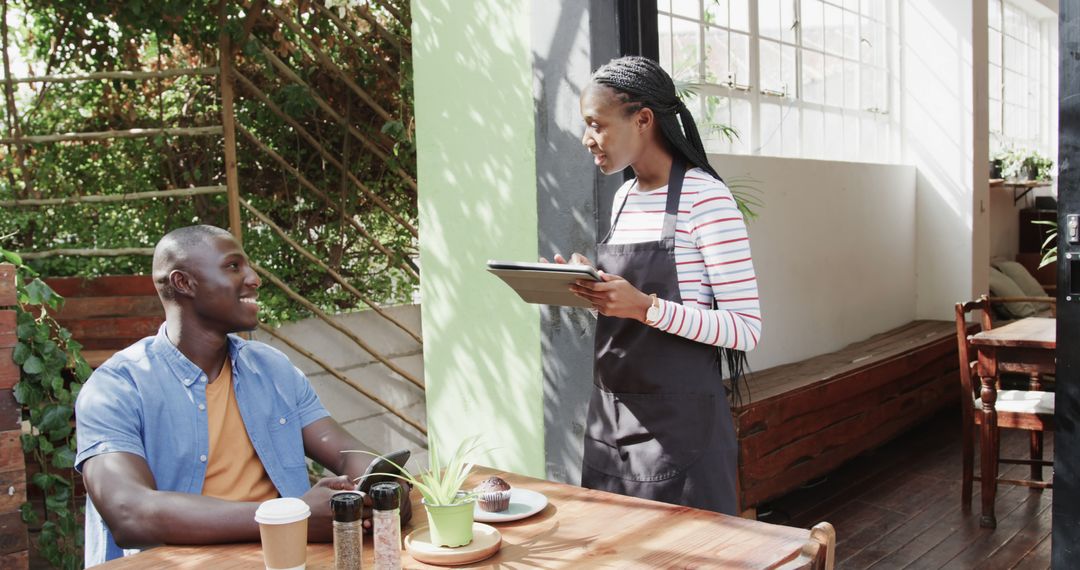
{"x": 108, "y": 416}
{"x": 308, "y": 402}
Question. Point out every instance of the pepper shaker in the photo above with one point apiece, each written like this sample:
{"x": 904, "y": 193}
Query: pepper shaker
{"x": 347, "y": 507}
{"x": 385, "y": 503}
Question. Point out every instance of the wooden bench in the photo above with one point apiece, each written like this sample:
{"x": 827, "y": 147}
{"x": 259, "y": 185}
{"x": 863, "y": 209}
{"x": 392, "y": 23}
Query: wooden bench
{"x": 806, "y": 418}
{"x": 108, "y": 314}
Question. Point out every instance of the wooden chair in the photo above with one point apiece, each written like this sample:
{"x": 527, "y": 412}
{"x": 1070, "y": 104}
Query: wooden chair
{"x": 1031, "y": 410}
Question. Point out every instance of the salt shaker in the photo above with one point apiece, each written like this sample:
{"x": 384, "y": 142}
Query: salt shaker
{"x": 347, "y": 507}
{"x": 385, "y": 504}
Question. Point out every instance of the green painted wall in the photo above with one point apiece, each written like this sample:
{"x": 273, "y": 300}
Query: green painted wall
{"x": 477, "y": 195}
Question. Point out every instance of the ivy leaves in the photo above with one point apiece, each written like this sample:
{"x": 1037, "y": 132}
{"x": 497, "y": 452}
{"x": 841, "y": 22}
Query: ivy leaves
{"x": 52, "y": 373}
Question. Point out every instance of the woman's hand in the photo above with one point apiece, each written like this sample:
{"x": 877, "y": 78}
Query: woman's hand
{"x": 614, "y": 297}
{"x": 575, "y": 259}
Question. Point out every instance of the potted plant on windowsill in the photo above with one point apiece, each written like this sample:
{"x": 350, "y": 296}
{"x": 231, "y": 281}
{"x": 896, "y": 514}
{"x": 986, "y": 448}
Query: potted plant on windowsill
{"x": 1038, "y": 166}
{"x": 1019, "y": 164}
{"x": 449, "y": 509}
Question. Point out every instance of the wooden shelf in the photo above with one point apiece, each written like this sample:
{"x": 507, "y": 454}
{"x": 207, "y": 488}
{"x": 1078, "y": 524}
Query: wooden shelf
{"x": 1020, "y": 188}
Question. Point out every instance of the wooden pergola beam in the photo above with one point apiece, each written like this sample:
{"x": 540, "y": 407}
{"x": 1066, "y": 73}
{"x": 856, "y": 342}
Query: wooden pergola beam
{"x": 401, "y": 262}
{"x": 88, "y": 252}
{"x": 345, "y": 379}
{"x": 365, "y": 13}
{"x": 394, "y": 12}
{"x": 325, "y": 106}
{"x": 277, "y": 282}
{"x": 344, "y": 27}
{"x": 327, "y": 155}
{"x": 328, "y": 63}
{"x": 329, "y": 270}
{"x": 124, "y": 134}
{"x": 228, "y": 124}
{"x": 107, "y": 198}
{"x": 123, "y": 75}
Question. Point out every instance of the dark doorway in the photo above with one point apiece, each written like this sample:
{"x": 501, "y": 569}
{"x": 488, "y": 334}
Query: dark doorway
{"x": 1066, "y": 525}
{"x": 638, "y": 34}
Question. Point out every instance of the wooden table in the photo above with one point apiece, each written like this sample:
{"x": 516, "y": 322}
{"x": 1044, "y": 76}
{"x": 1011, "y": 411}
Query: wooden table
{"x": 1026, "y": 347}
{"x": 580, "y": 528}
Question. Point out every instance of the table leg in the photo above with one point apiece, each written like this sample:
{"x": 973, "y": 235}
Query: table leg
{"x": 1036, "y": 436}
{"x": 988, "y": 441}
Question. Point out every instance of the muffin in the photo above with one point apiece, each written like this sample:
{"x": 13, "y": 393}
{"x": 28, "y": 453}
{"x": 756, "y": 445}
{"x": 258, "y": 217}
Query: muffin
{"x": 493, "y": 495}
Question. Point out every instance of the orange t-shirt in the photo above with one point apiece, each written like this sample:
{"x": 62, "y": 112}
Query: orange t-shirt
{"x": 233, "y": 469}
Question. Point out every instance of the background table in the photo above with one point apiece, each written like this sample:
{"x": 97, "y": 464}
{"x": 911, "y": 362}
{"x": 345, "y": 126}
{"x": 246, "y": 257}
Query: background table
{"x": 580, "y": 528}
{"x": 1027, "y": 346}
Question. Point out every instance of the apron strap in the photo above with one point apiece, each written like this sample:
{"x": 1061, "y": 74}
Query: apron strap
{"x": 671, "y": 210}
{"x": 674, "y": 192}
{"x": 615, "y": 222}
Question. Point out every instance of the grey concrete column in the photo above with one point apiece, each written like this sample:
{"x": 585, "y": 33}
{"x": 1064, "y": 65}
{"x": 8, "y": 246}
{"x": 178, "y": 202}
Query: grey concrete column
{"x": 570, "y": 38}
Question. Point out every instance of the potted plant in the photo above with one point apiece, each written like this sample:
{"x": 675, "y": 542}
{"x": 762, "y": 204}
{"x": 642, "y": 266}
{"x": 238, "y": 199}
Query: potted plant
{"x": 1012, "y": 161}
{"x": 1049, "y": 247}
{"x": 1023, "y": 164}
{"x": 449, "y": 509}
{"x": 996, "y": 165}
{"x": 1038, "y": 166}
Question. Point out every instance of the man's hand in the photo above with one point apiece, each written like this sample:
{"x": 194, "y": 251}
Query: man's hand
{"x": 325, "y": 441}
{"x": 614, "y": 297}
{"x": 404, "y": 507}
{"x": 320, "y": 525}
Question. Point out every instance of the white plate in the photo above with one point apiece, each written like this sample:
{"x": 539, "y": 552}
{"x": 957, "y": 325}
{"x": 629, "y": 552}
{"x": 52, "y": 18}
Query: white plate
{"x": 523, "y": 504}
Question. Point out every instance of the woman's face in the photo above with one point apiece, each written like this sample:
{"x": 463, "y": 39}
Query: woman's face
{"x": 615, "y": 139}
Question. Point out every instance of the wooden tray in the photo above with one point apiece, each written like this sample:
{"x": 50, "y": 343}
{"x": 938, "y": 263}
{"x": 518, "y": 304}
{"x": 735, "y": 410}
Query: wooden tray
{"x": 486, "y": 542}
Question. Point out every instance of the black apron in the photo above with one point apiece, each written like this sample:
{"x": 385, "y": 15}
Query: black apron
{"x": 659, "y": 426}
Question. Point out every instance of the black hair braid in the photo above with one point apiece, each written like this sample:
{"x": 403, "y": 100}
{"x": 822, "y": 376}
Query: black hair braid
{"x": 642, "y": 83}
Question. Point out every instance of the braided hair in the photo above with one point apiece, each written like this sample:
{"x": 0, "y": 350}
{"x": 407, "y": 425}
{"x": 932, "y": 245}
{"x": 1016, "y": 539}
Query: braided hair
{"x": 640, "y": 83}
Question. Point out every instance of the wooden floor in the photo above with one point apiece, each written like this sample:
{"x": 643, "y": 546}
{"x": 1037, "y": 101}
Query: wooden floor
{"x": 899, "y": 506}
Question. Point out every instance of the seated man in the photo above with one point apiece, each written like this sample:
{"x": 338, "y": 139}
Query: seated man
{"x": 182, "y": 435}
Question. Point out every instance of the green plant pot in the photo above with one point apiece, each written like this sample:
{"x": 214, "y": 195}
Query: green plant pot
{"x": 451, "y": 525}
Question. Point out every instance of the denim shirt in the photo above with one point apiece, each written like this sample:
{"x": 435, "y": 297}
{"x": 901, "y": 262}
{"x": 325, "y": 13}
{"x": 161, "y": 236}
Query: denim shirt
{"x": 150, "y": 400}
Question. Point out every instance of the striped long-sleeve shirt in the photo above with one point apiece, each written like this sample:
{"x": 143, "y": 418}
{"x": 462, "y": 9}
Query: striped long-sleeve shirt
{"x": 712, "y": 258}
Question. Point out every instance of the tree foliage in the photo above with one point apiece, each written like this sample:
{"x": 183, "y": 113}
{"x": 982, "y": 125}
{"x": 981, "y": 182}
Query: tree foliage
{"x": 83, "y": 36}
{"x": 51, "y": 372}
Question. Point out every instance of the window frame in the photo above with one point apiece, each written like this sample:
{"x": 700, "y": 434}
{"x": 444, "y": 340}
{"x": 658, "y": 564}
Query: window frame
{"x": 1035, "y": 107}
{"x": 757, "y": 96}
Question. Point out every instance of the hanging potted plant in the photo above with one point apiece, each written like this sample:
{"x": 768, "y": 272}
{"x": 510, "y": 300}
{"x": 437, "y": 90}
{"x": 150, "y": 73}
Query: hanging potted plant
{"x": 449, "y": 509}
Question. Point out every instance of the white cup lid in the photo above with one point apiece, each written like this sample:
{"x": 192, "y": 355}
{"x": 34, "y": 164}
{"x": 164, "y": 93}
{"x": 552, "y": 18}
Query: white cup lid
{"x": 282, "y": 511}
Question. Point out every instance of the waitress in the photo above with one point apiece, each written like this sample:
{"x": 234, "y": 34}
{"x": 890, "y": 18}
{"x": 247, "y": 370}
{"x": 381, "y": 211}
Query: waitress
{"x": 679, "y": 298}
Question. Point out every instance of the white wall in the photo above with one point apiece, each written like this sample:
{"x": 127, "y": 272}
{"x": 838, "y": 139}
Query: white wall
{"x": 944, "y": 118}
{"x": 834, "y": 251}
{"x": 1004, "y": 223}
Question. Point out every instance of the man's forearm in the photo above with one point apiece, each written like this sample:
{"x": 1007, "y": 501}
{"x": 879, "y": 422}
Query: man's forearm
{"x": 163, "y": 517}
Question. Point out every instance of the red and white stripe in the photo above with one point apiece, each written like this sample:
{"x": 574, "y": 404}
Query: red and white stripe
{"x": 712, "y": 258}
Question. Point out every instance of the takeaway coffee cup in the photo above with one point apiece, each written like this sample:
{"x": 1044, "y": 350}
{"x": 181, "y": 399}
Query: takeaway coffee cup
{"x": 283, "y": 528}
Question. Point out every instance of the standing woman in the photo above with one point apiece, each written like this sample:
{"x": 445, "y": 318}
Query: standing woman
{"x": 679, "y": 298}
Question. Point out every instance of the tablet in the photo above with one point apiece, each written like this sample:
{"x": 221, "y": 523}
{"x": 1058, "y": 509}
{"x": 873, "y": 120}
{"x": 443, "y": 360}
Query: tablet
{"x": 544, "y": 283}
{"x": 380, "y": 467}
